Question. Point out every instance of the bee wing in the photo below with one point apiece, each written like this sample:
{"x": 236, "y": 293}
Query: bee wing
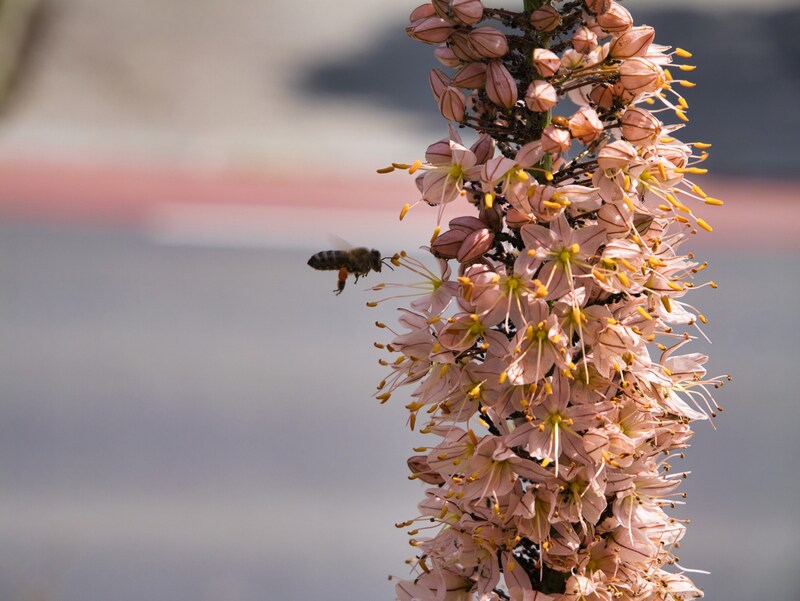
{"x": 338, "y": 243}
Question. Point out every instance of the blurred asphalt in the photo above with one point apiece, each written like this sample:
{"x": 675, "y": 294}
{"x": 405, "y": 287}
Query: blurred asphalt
{"x": 185, "y": 408}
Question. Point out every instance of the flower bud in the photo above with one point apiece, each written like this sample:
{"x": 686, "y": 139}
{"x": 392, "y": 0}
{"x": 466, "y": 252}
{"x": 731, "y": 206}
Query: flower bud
{"x": 616, "y": 19}
{"x": 423, "y": 11}
{"x": 452, "y": 104}
{"x": 492, "y": 218}
{"x": 555, "y": 140}
{"x": 483, "y": 149}
{"x": 585, "y": 126}
{"x": 475, "y": 245}
{"x": 634, "y": 42}
{"x": 440, "y": 7}
{"x": 546, "y": 18}
{"x": 433, "y": 30}
{"x": 602, "y": 96}
{"x": 598, "y": 7}
{"x": 615, "y": 219}
{"x": 439, "y": 153}
{"x": 638, "y": 75}
{"x": 616, "y": 156}
{"x": 500, "y": 85}
{"x": 488, "y": 42}
{"x": 471, "y": 76}
{"x": 447, "y": 244}
{"x": 467, "y": 12}
{"x": 438, "y": 82}
{"x": 467, "y": 224}
{"x": 418, "y": 464}
{"x": 584, "y": 40}
{"x": 447, "y": 57}
{"x": 459, "y": 44}
{"x": 541, "y": 96}
{"x": 515, "y": 218}
{"x": 640, "y": 127}
{"x": 546, "y": 62}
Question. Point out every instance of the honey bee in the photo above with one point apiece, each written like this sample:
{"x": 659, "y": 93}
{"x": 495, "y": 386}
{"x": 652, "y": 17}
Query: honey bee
{"x": 358, "y": 261}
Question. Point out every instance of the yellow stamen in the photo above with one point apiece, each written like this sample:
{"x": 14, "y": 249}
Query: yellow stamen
{"x": 683, "y": 53}
{"x": 416, "y": 165}
{"x": 641, "y": 311}
{"x": 488, "y": 200}
{"x": 436, "y": 233}
{"x": 704, "y": 224}
{"x": 716, "y": 202}
{"x": 687, "y": 67}
{"x": 681, "y": 115}
{"x": 702, "y": 145}
{"x": 404, "y": 210}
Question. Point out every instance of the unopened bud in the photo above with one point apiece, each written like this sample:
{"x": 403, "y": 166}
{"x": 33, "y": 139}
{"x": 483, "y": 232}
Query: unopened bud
{"x": 616, "y": 19}
{"x": 585, "y": 126}
{"x": 467, "y": 12}
{"x": 541, "y": 96}
{"x": 423, "y": 11}
{"x": 634, "y": 42}
{"x": 615, "y": 219}
{"x": 475, "y": 245}
{"x": 616, "y": 155}
{"x": 584, "y": 40}
{"x": 555, "y": 140}
{"x": 547, "y": 62}
{"x": 418, "y": 464}
{"x": 483, "y": 149}
{"x": 500, "y": 85}
{"x": 447, "y": 244}
{"x": 640, "y": 127}
{"x": 446, "y": 57}
{"x": 492, "y": 218}
{"x": 515, "y": 218}
{"x": 638, "y": 75}
{"x": 546, "y": 18}
{"x": 467, "y": 224}
{"x": 439, "y": 153}
{"x": 459, "y": 44}
{"x": 433, "y": 30}
{"x": 438, "y": 82}
{"x": 441, "y": 7}
{"x": 488, "y": 42}
{"x": 601, "y": 96}
{"x": 471, "y": 76}
{"x": 452, "y": 104}
{"x": 598, "y": 7}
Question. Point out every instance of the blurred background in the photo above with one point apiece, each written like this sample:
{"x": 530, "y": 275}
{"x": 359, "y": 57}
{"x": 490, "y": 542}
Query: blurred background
{"x": 185, "y": 408}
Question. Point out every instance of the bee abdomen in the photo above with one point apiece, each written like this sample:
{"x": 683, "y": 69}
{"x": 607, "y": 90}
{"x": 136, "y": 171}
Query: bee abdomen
{"x": 328, "y": 259}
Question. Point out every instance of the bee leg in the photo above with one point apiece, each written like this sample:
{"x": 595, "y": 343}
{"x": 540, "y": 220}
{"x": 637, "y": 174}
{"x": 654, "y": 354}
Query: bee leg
{"x": 342, "y": 281}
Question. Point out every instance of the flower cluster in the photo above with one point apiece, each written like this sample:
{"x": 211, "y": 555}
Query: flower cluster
{"x": 544, "y": 352}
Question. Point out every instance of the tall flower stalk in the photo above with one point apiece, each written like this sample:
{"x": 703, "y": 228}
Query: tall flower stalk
{"x": 546, "y": 351}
